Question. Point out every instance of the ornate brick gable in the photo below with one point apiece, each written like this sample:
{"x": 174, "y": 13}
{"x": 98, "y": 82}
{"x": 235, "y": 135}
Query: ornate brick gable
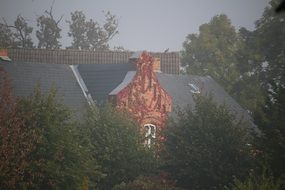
{"x": 144, "y": 97}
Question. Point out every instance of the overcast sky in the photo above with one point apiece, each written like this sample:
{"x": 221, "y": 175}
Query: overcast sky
{"x": 152, "y": 25}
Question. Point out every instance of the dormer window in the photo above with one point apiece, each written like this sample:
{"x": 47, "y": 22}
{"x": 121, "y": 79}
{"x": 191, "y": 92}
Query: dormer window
{"x": 150, "y": 132}
{"x": 194, "y": 89}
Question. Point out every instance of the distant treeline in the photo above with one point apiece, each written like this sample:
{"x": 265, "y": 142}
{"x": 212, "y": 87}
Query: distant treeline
{"x": 86, "y": 34}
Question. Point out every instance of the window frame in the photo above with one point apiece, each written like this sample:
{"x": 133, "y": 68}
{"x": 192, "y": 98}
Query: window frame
{"x": 150, "y": 133}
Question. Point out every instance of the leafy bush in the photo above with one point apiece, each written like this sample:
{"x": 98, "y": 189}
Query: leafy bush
{"x": 17, "y": 140}
{"x": 263, "y": 182}
{"x": 60, "y": 160}
{"x": 206, "y": 148}
{"x": 147, "y": 183}
{"x": 118, "y": 147}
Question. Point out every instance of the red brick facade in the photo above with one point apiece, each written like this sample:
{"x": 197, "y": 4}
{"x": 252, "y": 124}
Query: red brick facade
{"x": 144, "y": 97}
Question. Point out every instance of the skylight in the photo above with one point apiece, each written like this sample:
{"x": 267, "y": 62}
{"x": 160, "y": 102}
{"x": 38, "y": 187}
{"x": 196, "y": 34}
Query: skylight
{"x": 194, "y": 89}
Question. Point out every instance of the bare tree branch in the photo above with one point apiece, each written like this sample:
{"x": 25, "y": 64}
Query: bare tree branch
{"x": 50, "y": 13}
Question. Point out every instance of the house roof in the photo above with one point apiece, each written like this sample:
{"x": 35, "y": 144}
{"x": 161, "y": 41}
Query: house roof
{"x": 101, "y": 79}
{"x": 170, "y": 61}
{"x": 26, "y": 76}
{"x": 128, "y": 78}
{"x": 104, "y": 79}
{"x": 179, "y": 87}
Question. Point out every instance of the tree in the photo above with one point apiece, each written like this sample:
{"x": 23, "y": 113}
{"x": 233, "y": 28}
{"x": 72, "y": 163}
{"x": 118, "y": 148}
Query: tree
{"x": 262, "y": 182}
{"x": 48, "y": 33}
{"x": 147, "y": 183}
{"x": 270, "y": 32}
{"x": 85, "y": 185}
{"x": 7, "y": 39}
{"x": 23, "y": 33}
{"x": 119, "y": 48}
{"x": 212, "y": 51}
{"x": 258, "y": 74}
{"x": 17, "y": 140}
{"x": 77, "y": 27}
{"x": 61, "y": 160}
{"x": 249, "y": 89}
{"x": 118, "y": 147}
{"x": 205, "y": 148}
{"x": 17, "y": 35}
{"x": 89, "y": 35}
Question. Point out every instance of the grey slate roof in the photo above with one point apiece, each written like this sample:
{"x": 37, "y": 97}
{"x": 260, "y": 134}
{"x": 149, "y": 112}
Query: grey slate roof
{"x": 104, "y": 79}
{"x": 25, "y": 76}
{"x": 128, "y": 78}
{"x": 178, "y": 88}
{"x": 101, "y": 79}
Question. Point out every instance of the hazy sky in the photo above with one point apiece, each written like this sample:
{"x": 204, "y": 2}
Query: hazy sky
{"x": 152, "y": 25}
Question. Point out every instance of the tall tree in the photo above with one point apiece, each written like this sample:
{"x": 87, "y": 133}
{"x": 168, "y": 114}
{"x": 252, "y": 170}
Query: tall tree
{"x": 17, "y": 140}
{"x": 48, "y": 33}
{"x": 249, "y": 89}
{"x": 17, "y": 35}
{"x": 7, "y": 39}
{"x": 118, "y": 147}
{"x": 206, "y": 148}
{"x": 23, "y": 33}
{"x": 270, "y": 31}
{"x": 63, "y": 158}
{"x": 78, "y": 29}
{"x": 258, "y": 181}
{"x": 147, "y": 183}
{"x": 90, "y": 35}
{"x": 212, "y": 51}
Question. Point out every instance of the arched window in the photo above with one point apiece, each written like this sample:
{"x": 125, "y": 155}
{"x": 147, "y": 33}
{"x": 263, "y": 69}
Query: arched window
{"x": 150, "y": 131}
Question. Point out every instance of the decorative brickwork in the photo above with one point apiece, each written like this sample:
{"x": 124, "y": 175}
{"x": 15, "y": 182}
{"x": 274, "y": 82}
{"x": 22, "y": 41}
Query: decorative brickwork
{"x": 144, "y": 97}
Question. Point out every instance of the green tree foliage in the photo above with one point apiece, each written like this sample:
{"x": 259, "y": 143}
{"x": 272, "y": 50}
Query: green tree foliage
{"x": 206, "y": 148}
{"x": 77, "y": 27}
{"x": 257, "y": 80}
{"x": 90, "y": 35}
{"x": 248, "y": 90}
{"x": 48, "y": 32}
{"x": 85, "y": 185}
{"x": 260, "y": 182}
{"x": 212, "y": 51}
{"x": 17, "y": 140}
{"x": 7, "y": 39}
{"x": 17, "y": 35}
{"x": 232, "y": 58}
{"x": 270, "y": 32}
{"x": 118, "y": 147}
{"x": 147, "y": 183}
{"x": 60, "y": 161}
{"x": 23, "y": 33}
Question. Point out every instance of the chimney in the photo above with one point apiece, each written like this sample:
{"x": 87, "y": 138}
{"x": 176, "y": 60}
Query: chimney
{"x": 135, "y": 56}
{"x": 156, "y": 63}
{"x": 4, "y": 55}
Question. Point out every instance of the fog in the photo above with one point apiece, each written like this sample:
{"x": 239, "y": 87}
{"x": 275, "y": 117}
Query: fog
{"x": 143, "y": 25}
